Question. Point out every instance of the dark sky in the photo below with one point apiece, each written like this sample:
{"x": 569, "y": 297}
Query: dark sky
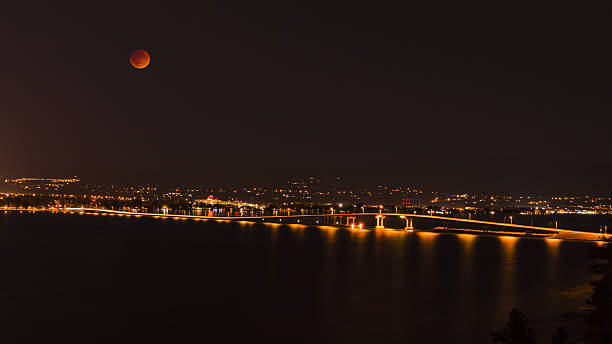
{"x": 477, "y": 98}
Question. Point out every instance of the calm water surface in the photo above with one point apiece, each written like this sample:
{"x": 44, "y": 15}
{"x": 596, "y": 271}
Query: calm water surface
{"x": 89, "y": 279}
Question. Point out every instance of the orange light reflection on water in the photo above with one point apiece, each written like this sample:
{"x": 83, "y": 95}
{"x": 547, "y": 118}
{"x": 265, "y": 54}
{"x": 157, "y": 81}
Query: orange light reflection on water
{"x": 508, "y": 244}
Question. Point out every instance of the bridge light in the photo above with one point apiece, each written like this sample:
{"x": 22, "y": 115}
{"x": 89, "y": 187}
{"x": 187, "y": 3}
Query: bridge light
{"x": 361, "y": 226}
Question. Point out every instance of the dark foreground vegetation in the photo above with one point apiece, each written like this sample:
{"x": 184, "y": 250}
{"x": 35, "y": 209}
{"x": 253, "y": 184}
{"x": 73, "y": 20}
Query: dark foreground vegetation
{"x": 518, "y": 329}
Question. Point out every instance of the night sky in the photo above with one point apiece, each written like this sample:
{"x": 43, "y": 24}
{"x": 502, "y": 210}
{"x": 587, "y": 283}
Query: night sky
{"x": 499, "y": 98}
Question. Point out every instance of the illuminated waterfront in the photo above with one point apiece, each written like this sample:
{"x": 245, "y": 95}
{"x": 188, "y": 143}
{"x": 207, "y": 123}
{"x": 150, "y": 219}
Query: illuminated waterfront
{"x": 207, "y": 280}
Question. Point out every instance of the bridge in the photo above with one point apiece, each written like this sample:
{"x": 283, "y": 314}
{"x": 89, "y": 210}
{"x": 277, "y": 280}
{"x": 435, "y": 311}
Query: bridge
{"x": 350, "y": 219}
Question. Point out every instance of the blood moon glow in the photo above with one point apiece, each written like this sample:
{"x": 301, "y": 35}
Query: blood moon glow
{"x": 140, "y": 59}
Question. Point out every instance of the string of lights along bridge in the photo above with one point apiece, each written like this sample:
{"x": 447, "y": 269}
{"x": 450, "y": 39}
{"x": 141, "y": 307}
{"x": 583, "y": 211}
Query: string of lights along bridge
{"x": 349, "y": 220}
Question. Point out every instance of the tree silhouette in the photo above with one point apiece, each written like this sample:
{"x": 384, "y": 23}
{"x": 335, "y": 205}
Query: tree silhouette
{"x": 600, "y": 318}
{"x": 560, "y": 336}
{"x": 516, "y": 331}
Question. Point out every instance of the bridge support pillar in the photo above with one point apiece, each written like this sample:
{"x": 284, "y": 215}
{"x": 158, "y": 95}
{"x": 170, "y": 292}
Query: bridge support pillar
{"x": 379, "y": 222}
{"x": 409, "y": 226}
{"x": 350, "y": 221}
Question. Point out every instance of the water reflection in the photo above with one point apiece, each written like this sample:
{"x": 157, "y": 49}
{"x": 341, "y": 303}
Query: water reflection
{"x": 508, "y": 244}
{"x": 322, "y": 283}
{"x": 425, "y": 244}
{"x": 553, "y": 248}
{"x": 507, "y": 279}
{"x": 467, "y": 243}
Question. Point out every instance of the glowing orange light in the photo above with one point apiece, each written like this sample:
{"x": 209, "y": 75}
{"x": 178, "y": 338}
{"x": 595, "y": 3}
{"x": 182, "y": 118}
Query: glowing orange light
{"x": 140, "y": 59}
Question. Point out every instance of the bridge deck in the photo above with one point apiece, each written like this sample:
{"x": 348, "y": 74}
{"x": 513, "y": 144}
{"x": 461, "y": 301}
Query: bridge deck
{"x": 557, "y": 232}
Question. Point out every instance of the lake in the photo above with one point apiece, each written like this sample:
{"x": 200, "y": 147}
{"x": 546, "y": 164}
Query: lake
{"x": 90, "y": 279}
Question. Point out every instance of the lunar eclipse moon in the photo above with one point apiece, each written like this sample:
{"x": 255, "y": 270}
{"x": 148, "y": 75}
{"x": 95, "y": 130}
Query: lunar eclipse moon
{"x": 140, "y": 59}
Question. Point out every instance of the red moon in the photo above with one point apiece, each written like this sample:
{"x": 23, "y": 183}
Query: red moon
{"x": 140, "y": 59}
